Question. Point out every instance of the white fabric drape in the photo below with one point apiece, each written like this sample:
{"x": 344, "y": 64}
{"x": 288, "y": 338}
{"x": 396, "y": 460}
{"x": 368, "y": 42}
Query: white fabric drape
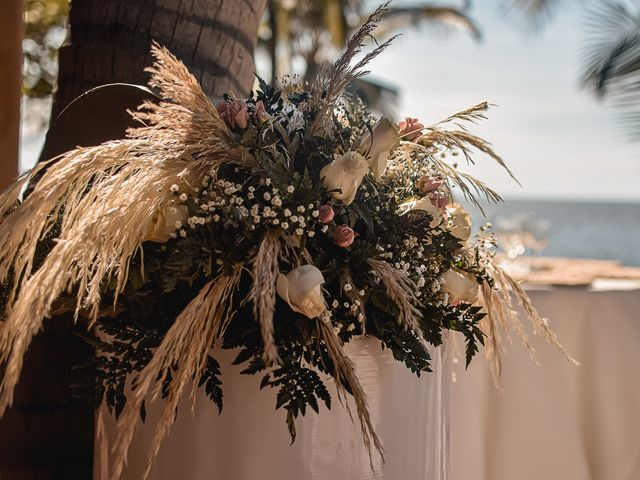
{"x": 249, "y": 440}
{"x": 557, "y": 421}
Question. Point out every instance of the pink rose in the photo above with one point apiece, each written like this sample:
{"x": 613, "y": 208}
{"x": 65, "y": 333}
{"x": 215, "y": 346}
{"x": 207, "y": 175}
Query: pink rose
{"x": 439, "y": 200}
{"x": 235, "y": 113}
{"x": 410, "y": 129}
{"x": 343, "y": 236}
{"x": 428, "y": 184}
{"x": 261, "y": 111}
{"x": 326, "y": 213}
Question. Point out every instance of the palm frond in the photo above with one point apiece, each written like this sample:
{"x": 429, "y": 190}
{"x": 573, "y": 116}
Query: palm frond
{"x": 448, "y": 18}
{"x": 537, "y": 11}
{"x": 613, "y": 51}
{"x": 612, "y": 56}
{"x": 534, "y": 7}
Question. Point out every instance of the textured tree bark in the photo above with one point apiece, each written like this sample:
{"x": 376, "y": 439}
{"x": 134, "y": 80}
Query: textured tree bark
{"x": 109, "y": 42}
{"x": 10, "y": 79}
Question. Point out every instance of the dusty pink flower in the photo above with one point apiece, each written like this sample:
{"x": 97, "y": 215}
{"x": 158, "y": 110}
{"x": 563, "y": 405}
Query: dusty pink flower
{"x": 428, "y": 184}
{"x": 235, "y": 113}
{"x": 326, "y": 213}
{"x": 261, "y": 111}
{"x": 439, "y": 200}
{"x": 343, "y": 236}
{"x": 410, "y": 129}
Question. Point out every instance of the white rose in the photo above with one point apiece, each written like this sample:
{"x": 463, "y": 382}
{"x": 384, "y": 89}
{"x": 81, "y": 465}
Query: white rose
{"x": 426, "y": 205}
{"x": 345, "y": 173}
{"x": 460, "y": 286}
{"x": 301, "y": 288}
{"x": 377, "y": 149}
{"x": 164, "y": 223}
{"x": 459, "y": 222}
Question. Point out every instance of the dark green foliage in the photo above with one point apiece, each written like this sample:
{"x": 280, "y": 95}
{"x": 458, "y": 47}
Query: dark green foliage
{"x": 270, "y": 96}
{"x": 298, "y": 387}
{"x": 406, "y": 347}
{"x": 211, "y": 382}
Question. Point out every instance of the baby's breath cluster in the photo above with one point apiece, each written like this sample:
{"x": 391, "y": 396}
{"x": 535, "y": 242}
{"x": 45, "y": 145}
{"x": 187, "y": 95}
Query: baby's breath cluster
{"x": 248, "y": 206}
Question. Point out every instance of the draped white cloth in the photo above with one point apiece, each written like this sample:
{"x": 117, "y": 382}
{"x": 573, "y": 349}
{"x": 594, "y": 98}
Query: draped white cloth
{"x": 249, "y": 441}
{"x": 557, "y": 421}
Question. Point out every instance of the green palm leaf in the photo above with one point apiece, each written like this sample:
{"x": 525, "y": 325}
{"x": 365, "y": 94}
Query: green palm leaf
{"x": 448, "y": 18}
{"x": 613, "y": 51}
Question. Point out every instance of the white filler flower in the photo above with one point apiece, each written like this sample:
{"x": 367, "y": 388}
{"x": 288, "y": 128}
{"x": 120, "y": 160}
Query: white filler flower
{"x": 301, "y": 288}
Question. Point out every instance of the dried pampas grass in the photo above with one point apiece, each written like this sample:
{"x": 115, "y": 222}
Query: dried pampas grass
{"x": 184, "y": 350}
{"x": 401, "y": 291}
{"x": 344, "y": 373}
{"x": 502, "y": 318}
{"x": 331, "y": 84}
{"x": 264, "y": 273}
{"x": 104, "y": 199}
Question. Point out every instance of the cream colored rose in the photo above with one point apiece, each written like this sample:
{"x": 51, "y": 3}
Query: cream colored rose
{"x": 426, "y": 205}
{"x": 301, "y": 288}
{"x": 460, "y": 286}
{"x": 459, "y": 222}
{"x": 164, "y": 223}
{"x": 345, "y": 173}
{"x": 378, "y": 147}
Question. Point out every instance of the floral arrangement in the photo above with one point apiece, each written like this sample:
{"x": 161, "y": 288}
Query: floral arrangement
{"x": 281, "y": 226}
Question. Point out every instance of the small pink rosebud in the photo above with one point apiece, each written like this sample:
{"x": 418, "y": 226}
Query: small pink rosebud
{"x": 235, "y": 113}
{"x": 326, "y": 214}
{"x": 343, "y": 236}
{"x": 428, "y": 184}
{"x": 410, "y": 129}
{"x": 439, "y": 200}
{"x": 261, "y": 112}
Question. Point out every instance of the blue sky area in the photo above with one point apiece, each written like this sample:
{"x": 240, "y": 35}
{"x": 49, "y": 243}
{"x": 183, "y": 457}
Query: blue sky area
{"x": 560, "y": 142}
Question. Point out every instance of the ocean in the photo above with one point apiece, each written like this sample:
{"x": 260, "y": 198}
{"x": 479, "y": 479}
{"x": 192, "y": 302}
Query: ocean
{"x": 598, "y": 230}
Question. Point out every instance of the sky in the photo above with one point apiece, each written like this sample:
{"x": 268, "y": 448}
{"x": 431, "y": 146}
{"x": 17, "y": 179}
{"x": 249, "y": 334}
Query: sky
{"x": 559, "y": 141}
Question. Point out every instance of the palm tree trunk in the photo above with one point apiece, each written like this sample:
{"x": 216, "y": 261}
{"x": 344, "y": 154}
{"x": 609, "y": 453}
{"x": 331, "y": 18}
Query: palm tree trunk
{"x": 10, "y": 64}
{"x": 109, "y": 42}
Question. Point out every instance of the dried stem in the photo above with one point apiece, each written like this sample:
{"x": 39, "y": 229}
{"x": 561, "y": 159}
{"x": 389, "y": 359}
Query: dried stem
{"x": 401, "y": 291}
{"x": 502, "y": 317}
{"x": 264, "y": 271}
{"x": 344, "y": 374}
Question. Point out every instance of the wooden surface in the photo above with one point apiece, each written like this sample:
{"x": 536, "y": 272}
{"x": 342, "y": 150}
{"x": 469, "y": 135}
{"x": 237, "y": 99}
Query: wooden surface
{"x": 569, "y": 271}
{"x": 10, "y": 86}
